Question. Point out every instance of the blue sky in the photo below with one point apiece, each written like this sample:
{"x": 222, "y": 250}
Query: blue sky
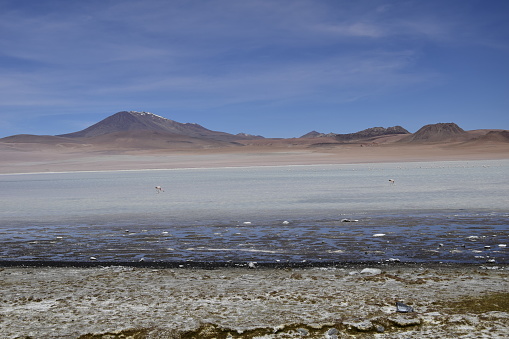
{"x": 274, "y": 68}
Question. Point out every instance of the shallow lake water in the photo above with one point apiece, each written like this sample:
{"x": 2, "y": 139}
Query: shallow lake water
{"x": 435, "y": 211}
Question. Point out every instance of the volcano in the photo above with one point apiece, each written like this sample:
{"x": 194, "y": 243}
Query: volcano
{"x": 127, "y": 121}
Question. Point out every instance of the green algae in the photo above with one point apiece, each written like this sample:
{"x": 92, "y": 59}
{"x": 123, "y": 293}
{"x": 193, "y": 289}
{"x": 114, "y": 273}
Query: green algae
{"x": 485, "y": 303}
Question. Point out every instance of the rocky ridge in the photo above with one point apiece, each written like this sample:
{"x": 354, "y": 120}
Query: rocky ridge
{"x": 364, "y": 134}
{"x": 371, "y": 133}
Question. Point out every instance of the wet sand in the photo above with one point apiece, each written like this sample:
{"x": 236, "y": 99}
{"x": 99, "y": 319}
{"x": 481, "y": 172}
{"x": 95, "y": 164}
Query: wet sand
{"x": 449, "y": 301}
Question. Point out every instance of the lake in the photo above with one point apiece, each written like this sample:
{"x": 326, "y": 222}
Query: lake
{"x": 455, "y": 211}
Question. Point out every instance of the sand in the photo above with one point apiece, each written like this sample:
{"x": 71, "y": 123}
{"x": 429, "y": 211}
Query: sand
{"x": 37, "y": 158}
{"x": 335, "y": 302}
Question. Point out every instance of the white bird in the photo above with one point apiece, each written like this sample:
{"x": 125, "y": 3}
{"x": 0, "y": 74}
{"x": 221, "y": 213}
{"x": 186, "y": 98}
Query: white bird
{"x": 159, "y": 189}
{"x": 392, "y": 181}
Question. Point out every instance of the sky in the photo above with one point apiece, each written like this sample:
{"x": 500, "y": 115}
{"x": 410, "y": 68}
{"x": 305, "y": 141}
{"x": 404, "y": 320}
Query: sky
{"x": 278, "y": 68}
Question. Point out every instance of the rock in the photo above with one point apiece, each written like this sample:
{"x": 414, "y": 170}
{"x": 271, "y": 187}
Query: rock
{"x": 332, "y": 331}
{"x": 361, "y": 326}
{"x": 456, "y": 318}
{"x": 402, "y": 308}
{"x": 387, "y": 309}
{"x": 332, "y": 334}
{"x": 372, "y": 271}
{"x": 296, "y": 276}
{"x": 393, "y": 260}
{"x": 405, "y": 320}
{"x": 379, "y": 328}
{"x": 303, "y": 331}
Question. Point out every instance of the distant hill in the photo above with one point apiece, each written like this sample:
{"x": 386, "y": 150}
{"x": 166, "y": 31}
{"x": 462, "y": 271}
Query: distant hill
{"x": 371, "y": 133}
{"x": 315, "y": 134}
{"x": 441, "y": 132}
{"x": 144, "y": 121}
{"x": 364, "y": 134}
{"x": 248, "y": 136}
{"x": 492, "y": 136}
{"x": 131, "y": 130}
{"x": 36, "y": 139}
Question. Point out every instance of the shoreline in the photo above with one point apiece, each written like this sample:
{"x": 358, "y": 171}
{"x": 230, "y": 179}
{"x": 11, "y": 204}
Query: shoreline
{"x": 115, "y": 302}
{"x": 217, "y": 265}
{"x": 241, "y": 166}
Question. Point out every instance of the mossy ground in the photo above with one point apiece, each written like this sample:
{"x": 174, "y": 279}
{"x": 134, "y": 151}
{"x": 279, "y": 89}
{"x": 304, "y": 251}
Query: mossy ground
{"x": 477, "y": 305}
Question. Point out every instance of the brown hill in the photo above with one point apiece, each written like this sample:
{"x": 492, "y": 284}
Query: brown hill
{"x": 153, "y": 140}
{"x": 36, "y": 139}
{"x": 436, "y": 133}
{"x": 501, "y": 136}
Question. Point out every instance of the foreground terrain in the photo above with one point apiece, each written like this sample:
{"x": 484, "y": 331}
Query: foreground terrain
{"x": 335, "y": 302}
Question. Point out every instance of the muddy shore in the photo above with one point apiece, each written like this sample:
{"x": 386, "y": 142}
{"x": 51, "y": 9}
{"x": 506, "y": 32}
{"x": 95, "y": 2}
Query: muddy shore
{"x": 343, "y": 301}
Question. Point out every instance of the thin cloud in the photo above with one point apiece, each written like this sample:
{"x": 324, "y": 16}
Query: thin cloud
{"x": 81, "y": 56}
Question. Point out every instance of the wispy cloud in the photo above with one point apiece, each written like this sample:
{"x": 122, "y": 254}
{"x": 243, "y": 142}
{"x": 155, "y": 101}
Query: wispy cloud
{"x": 213, "y": 54}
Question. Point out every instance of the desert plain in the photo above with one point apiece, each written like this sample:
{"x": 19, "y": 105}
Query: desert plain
{"x": 41, "y": 157}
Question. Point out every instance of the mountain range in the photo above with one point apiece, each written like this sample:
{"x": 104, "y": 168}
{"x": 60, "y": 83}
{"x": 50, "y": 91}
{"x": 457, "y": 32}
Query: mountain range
{"x": 144, "y": 130}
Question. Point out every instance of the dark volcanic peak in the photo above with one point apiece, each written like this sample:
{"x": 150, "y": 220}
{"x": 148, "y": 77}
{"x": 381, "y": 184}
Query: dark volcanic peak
{"x": 371, "y": 133}
{"x": 127, "y": 121}
{"x": 136, "y": 121}
{"x": 437, "y": 133}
